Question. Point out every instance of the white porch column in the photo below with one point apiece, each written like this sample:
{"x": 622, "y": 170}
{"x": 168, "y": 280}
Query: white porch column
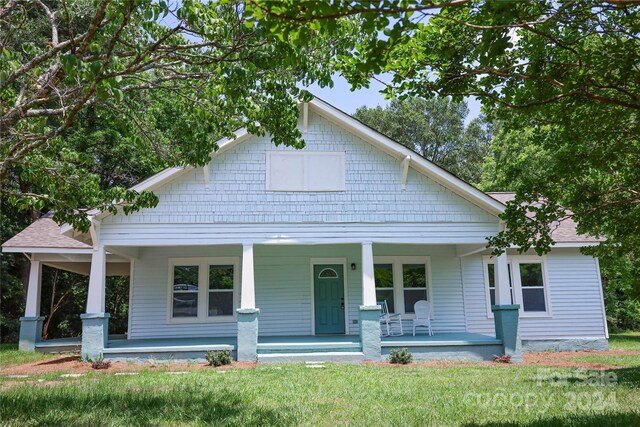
{"x": 31, "y": 322}
{"x": 247, "y": 349}
{"x": 368, "y": 279}
{"x": 247, "y": 291}
{"x": 32, "y": 308}
{"x": 503, "y": 293}
{"x": 95, "y": 322}
{"x": 97, "y": 281}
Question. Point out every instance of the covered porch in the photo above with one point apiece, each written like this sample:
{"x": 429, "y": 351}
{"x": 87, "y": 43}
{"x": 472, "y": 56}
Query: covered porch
{"x": 274, "y": 316}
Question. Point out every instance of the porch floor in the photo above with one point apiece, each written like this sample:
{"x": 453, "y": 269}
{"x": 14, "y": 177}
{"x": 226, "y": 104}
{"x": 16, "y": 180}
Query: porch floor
{"x": 154, "y": 345}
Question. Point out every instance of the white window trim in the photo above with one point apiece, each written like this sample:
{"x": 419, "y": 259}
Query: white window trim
{"x": 398, "y": 285}
{"x": 203, "y": 288}
{"x": 307, "y": 158}
{"x": 514, "y": 262}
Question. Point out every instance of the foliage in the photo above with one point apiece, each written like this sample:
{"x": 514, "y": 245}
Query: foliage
{"x": 218, "y": 72}
{"x": 502, "y": 358}
{"x": 218, "y": 357}
{"x": 435, "y": 128}
{"x": 100, "y": 363}
{"x": 621, "y": 277}
{"x": 566, "y": 70}
{"x": 400, "y": 356}
{"x": 343, "y": 394}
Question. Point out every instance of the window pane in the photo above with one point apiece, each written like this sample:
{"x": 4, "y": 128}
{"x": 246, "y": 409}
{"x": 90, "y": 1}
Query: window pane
{"x": 221, "y": 277}
{"x": 412, "y": 296}
{"x": 531, "y": 274}
{"x": 383, "y": 274}
{"x": 386, "y": 295}
{"x": 185, "y": 304}
{"x": 185, "y": 278}
{"x": 492, "y": 277}
{"x": 414, "y": 276}
{"x": 221, "y": 303}
{"x": 492, "y": 296}
{"x": 533, "y": 299}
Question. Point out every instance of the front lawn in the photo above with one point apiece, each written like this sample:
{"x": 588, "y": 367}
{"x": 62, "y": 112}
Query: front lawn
{"x": 10, "y": 356}
{"x": 335, "y": 395}
{"x": 625, "y": 341}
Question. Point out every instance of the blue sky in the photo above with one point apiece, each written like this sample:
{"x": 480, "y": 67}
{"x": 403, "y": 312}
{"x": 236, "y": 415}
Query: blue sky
{"x": 342, "y": 97}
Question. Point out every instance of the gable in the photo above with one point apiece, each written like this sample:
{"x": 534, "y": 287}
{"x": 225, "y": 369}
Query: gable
{"x": 237, "y": 188}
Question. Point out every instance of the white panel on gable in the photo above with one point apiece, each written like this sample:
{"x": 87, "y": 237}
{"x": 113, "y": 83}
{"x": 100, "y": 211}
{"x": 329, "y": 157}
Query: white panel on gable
{"x": 305, "y": 171}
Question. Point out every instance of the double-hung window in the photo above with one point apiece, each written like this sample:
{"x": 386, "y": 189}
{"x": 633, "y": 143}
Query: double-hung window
{"x": 527, "y": 282}
{"x": 402, "y": 281}
{"x": 202, "y": 289}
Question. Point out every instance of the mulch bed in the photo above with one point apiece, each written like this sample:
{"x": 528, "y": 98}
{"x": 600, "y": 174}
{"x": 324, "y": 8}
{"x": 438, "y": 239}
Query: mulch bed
{"x": 73, "y": 365}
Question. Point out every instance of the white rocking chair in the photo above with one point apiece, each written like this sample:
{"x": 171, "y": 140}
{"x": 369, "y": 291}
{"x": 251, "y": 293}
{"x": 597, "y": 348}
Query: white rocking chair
{"x": 422, "y": 309}
{"x": 390, "y": 324}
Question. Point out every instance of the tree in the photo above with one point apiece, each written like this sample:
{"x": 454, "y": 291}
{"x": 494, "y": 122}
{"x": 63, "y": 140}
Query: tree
{"x": 567, "y": 70}
{"x": 435, "y": 128}
{"x": 61, "y": 57}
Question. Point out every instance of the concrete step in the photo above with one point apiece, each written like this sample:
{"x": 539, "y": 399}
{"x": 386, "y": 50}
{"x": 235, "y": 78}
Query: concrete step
{"x": 328, "y": 356}
{"x": 309, "y": 347}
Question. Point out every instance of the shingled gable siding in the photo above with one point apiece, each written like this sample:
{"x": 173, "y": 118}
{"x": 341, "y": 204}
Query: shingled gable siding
{"x": 237, "y": 201}
{"x": 573, "y": 290}
{"x": 283, "y": 288}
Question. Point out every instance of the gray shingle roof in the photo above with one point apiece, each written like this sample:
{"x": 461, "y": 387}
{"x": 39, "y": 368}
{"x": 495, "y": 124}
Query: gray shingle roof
{"x": 44, "y": 233}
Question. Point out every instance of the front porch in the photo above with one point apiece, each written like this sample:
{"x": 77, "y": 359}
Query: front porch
{"x": 339, "y": 348}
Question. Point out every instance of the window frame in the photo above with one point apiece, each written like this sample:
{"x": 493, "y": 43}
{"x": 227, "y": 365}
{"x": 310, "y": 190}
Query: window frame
{"x": 516, "y": 281}
{"x": 398, "y": 280}
{"x": 203, "y": 264}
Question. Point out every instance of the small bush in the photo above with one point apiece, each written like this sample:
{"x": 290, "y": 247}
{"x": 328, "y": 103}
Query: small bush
{"x": 98, "y": 362}
{"x": 401, "y": 356}
{"x": 218, "y": 358}
{"x": 505, "y": 358}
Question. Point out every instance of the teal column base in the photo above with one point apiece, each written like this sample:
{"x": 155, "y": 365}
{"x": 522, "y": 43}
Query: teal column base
{"x": 370, "y": 332}
{"x": 247, "y": 349}
{"x": 30, "y": 332}
{"x": 506, "y": 319}
{"x": 95, "y": 333}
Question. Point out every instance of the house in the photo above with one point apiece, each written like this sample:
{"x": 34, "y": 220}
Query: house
{"x": 283, "y": 254}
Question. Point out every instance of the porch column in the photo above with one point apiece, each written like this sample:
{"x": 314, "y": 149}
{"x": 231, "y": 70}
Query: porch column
{"x": 505, "y": 313}
{"x": 369, "y": 310}
{"x": 95, "y": 322}
{"x": 31, "y": 322}
{"x": 247, "y": 349}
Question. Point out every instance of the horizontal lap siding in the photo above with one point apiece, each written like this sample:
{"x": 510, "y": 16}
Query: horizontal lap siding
{"x": 574, "y": 292}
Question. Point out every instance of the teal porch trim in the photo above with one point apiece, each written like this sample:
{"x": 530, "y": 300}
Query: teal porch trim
{"x": 95, "y": 329}
{"x": 30, "y": 333}
{"x": 247, "y": 334}
{"x": 506, "y": 319}
{"x": 370, "y": 332}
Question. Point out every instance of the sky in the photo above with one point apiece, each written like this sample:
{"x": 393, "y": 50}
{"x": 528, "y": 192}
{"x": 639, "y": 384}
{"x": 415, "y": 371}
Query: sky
{"x": 341, "y": 97}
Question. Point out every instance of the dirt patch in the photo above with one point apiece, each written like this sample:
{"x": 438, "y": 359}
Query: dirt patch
{"x": 74, "y": 365}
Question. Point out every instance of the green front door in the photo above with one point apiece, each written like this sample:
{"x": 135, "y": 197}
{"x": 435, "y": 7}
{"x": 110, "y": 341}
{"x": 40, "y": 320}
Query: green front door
{"x": 328, "y": 297}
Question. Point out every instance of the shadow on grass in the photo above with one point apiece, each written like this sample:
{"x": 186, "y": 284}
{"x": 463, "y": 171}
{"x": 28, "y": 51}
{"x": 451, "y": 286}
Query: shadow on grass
{"x": 60, "y": 360}
{"x": 168, "y": 405}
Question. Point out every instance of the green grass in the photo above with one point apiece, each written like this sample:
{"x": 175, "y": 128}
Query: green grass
{"x": 625, "y": 341}
{"x": 10, "y": 356}
{"x": 628, "y": 361}
{"x": 336, "y": 395}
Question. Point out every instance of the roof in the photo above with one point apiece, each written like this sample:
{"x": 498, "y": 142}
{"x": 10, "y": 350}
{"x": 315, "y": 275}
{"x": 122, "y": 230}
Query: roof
{"x": 565, "y": 231}
{"x": 44, "y": 233}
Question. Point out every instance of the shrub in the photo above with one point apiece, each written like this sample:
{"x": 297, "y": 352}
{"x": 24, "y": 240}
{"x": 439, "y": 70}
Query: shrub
{"x": 505, "y": 358}
{"x": 401, "y": 356}
{"x": 99, "y": 363}
{"x": 218, "y": 358}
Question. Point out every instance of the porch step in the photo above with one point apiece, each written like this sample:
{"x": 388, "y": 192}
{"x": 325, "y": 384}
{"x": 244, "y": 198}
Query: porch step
{"x": 309, "y": 347}
{"x": 328, "y": 356}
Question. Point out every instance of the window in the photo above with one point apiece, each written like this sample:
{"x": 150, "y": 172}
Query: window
{"x": 202, "y": 289}
{"x": 401, "y": 282}
{"x": 492, "y": 282}
{"x": 527, "y": 283}
{"x": 305, "y": 171}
